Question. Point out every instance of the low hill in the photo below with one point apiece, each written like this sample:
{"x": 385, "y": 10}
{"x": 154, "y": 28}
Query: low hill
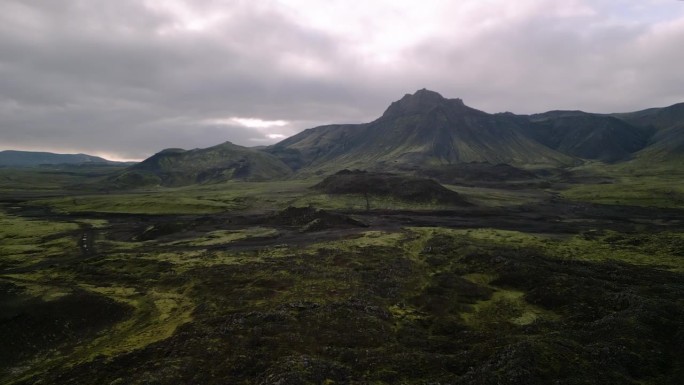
{"x": 310, "y": 219}
{"x": 227, "y": 161}
{"x": 478, "y": 172}
{"x": 402, "y": 187}
{"x": 12, "y": 158}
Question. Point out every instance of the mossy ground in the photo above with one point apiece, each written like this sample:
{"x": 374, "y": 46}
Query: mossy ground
{"x": 633, "y": 185}
{"x": 27, "y": 241}
{"x": 222, "y": 237}
{"x": 216, "y": 302}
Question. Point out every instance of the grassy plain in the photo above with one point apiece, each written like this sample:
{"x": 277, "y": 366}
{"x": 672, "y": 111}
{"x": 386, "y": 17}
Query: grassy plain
{"x": 633, "y": 185}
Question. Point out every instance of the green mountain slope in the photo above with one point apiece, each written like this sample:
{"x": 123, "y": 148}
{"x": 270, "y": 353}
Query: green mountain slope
{"x": 318, "y": 145}
{"x": 588, "y": 136}
{"x": 656, "y": 118}
{"x": 13, "y": 158}
{"x": 227, "y": 161}
{"x": 423, "y": 129}
{"x": 426, "y": 130}
{"x": 666, "y": 144}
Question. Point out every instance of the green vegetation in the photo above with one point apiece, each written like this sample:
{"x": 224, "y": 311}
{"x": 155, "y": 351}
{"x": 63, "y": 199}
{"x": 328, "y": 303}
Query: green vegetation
{"x": 658, "y": 186}
{"x": 500, "y": 197}
{"x": 156, "y": 317}
{"x": 231, "y": 283}
{"x": 207, "y": 199}
{"x": 33, "y": 181}
{"x": 25, "y": 242}
{"x": 222, "y": 237}
{"x": 176, "y": 167}
{"x": 665, "y": 192}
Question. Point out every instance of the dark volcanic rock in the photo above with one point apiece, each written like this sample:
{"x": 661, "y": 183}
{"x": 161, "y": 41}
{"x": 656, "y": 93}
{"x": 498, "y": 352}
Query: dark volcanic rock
{"x": 423, "y": 100}
{"x": 29, "y": 325}
{"x": 402, "y": 187}
{"x": 478, "y": 172}
{"x": 311, "y": 219}
{"x": 305, "y": 370}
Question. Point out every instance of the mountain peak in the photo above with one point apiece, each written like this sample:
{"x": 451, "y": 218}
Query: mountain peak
{"x": 425, "y": 95}
{"x": 422, "y": 100}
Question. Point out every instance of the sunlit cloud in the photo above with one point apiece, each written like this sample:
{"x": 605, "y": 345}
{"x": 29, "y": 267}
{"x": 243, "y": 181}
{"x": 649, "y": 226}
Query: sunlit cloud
{"x": 114, "y": 157}
{"x": 183, "y": 17}
{"x": 248, "y": 122}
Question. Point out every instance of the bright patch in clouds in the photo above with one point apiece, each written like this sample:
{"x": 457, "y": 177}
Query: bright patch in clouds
{"x": 382, "y": 31}
{"x": 250, "y": 122}
{"x": 115, "y": 157}
{"x": 184, "y": 17}
{"x": 264, "y": 128}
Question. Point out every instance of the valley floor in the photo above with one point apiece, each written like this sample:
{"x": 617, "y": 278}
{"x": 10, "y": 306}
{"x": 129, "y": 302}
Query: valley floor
{"x": 225, "y": 284}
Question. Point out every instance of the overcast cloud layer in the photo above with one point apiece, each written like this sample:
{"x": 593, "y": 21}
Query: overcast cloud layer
{"x": 127, "y": 78}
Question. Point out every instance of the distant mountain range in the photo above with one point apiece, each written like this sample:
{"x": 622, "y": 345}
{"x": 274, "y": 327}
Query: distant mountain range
{"x": 11, "y": 158}
{"x": 425, "y": 131}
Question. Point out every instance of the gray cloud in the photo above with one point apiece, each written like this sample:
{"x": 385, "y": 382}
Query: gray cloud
{"x": 129, "y": 78}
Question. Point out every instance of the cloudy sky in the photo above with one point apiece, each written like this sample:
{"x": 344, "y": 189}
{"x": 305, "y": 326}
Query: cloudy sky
{"x": 127, "y": 78}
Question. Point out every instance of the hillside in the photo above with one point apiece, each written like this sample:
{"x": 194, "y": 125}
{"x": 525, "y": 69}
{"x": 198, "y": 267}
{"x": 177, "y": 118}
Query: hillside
{"x": 656, "y": 118}
{"x": 666, "y": 144}
{"x": 387, "y": 185}
{"x": 478, "y": 173}
{"x": 423, "y": 129}
{"x": 227, "y": 161}
{"x": 13, "y": 158}
{"x": 588, "y": 136}
{"x": 317, "y": 145}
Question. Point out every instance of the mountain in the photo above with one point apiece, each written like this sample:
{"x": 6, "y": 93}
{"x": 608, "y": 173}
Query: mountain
{"x": 656, "y": 118}
{"x": 588, "y": 136}
{"x": 667, "y": 126}
{"x": 427, "y": 132}
{"x": 227, "y": 161}
{"x": 13, "y": 158}
{"x": 320, "y": 144}
{"x": 423, "y": 129}
{"x": 667, "y": 145}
